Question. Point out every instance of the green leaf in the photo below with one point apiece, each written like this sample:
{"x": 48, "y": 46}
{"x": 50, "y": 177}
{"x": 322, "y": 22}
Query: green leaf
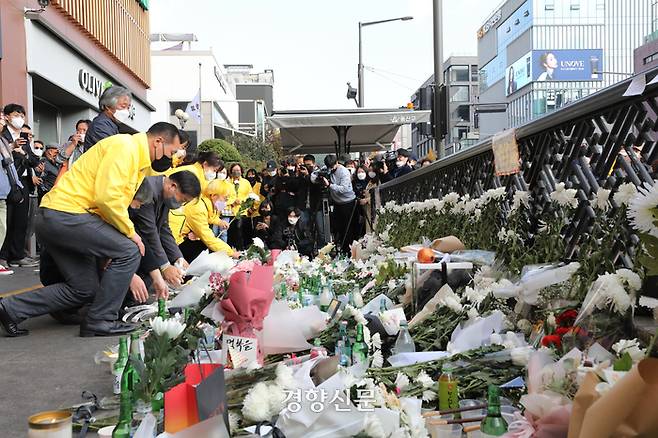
{"x": 624, "y": 363}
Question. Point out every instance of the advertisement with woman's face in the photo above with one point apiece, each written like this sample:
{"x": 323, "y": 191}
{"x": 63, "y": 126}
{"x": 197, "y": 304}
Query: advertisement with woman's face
{"x": 567, "y": 65}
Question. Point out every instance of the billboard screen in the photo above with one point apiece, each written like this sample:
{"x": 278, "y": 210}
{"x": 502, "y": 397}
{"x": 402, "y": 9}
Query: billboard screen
{"x": 519, "y": 74}
{"x": 567, "y": 65}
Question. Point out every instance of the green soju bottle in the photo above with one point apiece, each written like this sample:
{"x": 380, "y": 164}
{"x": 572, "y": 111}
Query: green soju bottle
{"x": 122, "y": 429}
{"x": 360, "y": 348}
{"x": 162, "y": 309}
{"x": 134, "y": 368}
{"x": 120, "y": 364}
{"x": 493, "y": 424}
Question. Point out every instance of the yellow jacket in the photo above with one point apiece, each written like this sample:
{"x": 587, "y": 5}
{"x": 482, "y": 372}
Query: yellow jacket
{"x": 177, "y": 217}
{"x": 241, "y": 194}
{"x": 198, "y": 215}
{"x": 104, "y": 181}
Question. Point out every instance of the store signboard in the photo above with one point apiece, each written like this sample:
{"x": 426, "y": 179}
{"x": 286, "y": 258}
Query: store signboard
{"x": 490, "y": 23}
{"x": 567, "y": 65}
{"x": 519, "y": 74}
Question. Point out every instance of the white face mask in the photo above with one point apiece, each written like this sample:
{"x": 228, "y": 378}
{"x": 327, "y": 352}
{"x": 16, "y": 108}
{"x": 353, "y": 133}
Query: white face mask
{"x": 361, "y": 176}
{"x": 17, "y": 122}
{"x": 210, "y": 175}
{"x": 400, "y": 163}
{"x": 293, "y": 220}
{"x": 122, "y": 115}
{"x": 273, "y": 173}
{"x": 352, "y": 170}
{"x": 38, "y": 152}
{"x": 221, "y": 176}
{"x": 291, "y": 169}
{"x": 372, "y": 174}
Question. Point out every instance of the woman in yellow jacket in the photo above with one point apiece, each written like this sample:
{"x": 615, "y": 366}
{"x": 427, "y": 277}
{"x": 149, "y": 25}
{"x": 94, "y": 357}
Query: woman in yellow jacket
{"x": 206, "y": 167}
{"x": 239, "y": 191}
{"x": 195, "y": 234}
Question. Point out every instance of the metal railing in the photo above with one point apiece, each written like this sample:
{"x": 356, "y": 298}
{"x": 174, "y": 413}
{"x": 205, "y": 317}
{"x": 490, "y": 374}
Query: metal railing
{"x": 603, "y": 140}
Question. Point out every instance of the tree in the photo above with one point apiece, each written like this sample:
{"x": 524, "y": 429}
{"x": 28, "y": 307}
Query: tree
{"x": 227, "y": 152}
{"x": 255, "y": 151}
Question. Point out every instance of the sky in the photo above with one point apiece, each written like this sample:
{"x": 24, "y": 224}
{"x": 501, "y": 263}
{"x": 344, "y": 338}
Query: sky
{"x": 312, "y": 45}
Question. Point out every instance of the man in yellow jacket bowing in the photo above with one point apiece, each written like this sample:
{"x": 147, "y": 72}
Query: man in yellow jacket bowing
{"x": 85, "y": 218}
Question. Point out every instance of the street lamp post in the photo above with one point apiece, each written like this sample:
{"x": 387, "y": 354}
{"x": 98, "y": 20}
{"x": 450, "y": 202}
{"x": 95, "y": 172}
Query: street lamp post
{"x": 360, "y": 67}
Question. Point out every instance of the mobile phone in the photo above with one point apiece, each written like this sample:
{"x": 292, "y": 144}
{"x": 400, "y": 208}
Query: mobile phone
{"x": 25, "y": 136}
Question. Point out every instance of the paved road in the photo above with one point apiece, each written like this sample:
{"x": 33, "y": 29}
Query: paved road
{"x": 48, "y": 369}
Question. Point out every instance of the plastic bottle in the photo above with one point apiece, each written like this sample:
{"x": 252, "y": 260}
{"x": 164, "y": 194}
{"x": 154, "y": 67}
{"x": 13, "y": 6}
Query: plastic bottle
{"x": 404, "y": 343}
{"x": 448, "y": 389}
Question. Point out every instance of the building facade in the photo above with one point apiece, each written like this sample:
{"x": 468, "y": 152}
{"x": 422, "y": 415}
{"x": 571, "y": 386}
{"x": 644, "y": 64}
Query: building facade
{"x": 460, "y": 75}
{"x": 255, "y": 94}
{"x": 56, "y": 60}
{"x": 646, "y": 56}
{"x": 179, "y": 74}
{"x": 536, "y": 56}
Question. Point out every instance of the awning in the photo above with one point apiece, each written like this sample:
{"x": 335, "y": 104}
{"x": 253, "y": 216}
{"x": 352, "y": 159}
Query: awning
{"x": 331, "y": 131}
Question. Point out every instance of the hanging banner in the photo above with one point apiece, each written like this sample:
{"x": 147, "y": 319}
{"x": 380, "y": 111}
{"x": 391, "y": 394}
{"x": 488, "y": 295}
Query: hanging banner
{"x": 506, "y": 153}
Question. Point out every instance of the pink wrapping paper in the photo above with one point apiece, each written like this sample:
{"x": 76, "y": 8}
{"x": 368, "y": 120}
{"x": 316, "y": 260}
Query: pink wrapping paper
{"x": 248, "y": 302}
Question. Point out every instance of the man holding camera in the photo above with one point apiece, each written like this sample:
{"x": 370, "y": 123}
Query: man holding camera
{"x": 339, "y": 184}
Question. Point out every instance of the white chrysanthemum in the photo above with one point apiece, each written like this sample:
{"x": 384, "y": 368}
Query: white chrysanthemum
{"x": 519, "y": 199}
{"x": 451, "y": 300}
{"x": 258, "y": 242}
{"x": 377, "y": 341}
{"x": 256, "y": 404}
{"x": 502, "y": 235}
{"x": 424, "y": 380}
{"x": 421, "y": 223}
{"x": 496, "y": 339}
{"x": 601, "y": 198}
{"x": 401, "y": 381}
{"x": 521, "y": 356}
{"x": 611, "y": 294}
{"x": 630, "y": 278}
{"x": 640, "y": 209}
{"x": 377, "y": 359}
{"x": 372, "y": 426}
{"x": 169, "y": 327}
{"x": 475, "y": 295}
{"x": 491, "y": 195}
{"x": 524, "y": 325}
{"x": 284, "y": 376}
{"x": 429, "y": 396}
{"x": 233, "y": 421}
{"x": 551, "y": 320}
{"x": 253, "y": 196}
{"x": 564, "y": 197}
{"x": 632, "y": 347}
{"x": 451, "y": 198}
{"x": 625, "y": 193}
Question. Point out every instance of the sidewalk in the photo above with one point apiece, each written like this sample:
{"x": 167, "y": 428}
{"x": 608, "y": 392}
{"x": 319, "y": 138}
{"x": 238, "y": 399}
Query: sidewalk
{"x": 48, "y": 369}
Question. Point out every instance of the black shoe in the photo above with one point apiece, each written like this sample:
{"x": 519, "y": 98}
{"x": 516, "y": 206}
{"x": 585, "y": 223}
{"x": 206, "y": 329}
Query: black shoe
{"x": 11, "y": 328}
{"x": 91, "y": 328}
{"x": 25, "y": 262}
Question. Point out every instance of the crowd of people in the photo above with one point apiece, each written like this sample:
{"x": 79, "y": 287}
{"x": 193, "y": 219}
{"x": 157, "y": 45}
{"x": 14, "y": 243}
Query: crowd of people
{"x": 120, "y": 214}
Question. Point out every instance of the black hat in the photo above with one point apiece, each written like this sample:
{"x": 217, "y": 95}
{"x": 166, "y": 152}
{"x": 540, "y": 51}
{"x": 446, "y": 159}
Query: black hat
{"x": 403, "y": 153}
{"x": 271, "y": 165}
{"x": 52, "y": 146}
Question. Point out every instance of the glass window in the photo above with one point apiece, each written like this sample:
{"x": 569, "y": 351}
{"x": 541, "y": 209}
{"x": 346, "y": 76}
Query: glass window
{"x": 575, "y": 5}
{"x": 459, "y": 73}
{"x": 474, "y": 73}
{"x": 459, "y": 94}
{"x": 173, "y": 106}
{"x": 461, "y": 114}
{"x": 549, "y": 5}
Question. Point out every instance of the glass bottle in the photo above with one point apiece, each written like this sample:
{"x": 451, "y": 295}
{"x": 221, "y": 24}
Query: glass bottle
{"x": 360, "y": 348}
{"x": 317, "y": 350}
{"x": 343, "y": 357}
{"x": 493, "y": 424}
{"x": 448, "y": 389}
{"x": 120, "y": 364}
{"x": 347, "y": 345}
{"x": 283, "y": 292}
{"x": 162, "y": 309}
{"x": 382, "y": 305}
{"x": 404, "y": 343}
{"x": 134, "y": 367}
{"x": 122, "y": 429}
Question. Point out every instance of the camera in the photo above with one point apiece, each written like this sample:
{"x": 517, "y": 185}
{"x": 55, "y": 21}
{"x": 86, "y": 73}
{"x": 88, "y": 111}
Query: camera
{"x": 44, "y": 3}
{"x": 322, "y": 173}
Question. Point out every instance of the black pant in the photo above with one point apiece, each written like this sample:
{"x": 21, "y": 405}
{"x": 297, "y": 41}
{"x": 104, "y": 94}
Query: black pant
{"x": 191, "y": 249}
{"x": 344, "y": 222}
{"x": 235, "y": 233}
{"x": 13, "y": 248}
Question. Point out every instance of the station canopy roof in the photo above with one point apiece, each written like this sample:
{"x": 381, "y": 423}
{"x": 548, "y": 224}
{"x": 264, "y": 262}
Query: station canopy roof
{"x": 353, "y": 130}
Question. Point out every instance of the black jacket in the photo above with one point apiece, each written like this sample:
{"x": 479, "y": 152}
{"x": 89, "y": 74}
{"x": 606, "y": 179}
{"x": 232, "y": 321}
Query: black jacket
{"x": 267, "y": 236}
{"x": 152, "y": 224}
{"x": 101, "y": 127}
{"x": 22, "y": 163}
{"x": 399, "y": 171}
{"x": 49, "y": 175}
{"x": 299, "y": 236}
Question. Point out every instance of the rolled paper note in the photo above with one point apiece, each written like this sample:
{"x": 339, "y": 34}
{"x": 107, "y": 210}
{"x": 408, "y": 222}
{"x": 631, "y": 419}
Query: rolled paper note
{"x": 447, "y": 244}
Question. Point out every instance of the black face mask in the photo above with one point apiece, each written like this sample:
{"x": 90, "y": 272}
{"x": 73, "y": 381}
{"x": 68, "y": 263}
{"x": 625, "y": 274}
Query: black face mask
{"x": 161, "y": 164}
{"x": 265, "y": 213}
{"x": 251, "y": 179}
{"x": 172, "y": 203}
